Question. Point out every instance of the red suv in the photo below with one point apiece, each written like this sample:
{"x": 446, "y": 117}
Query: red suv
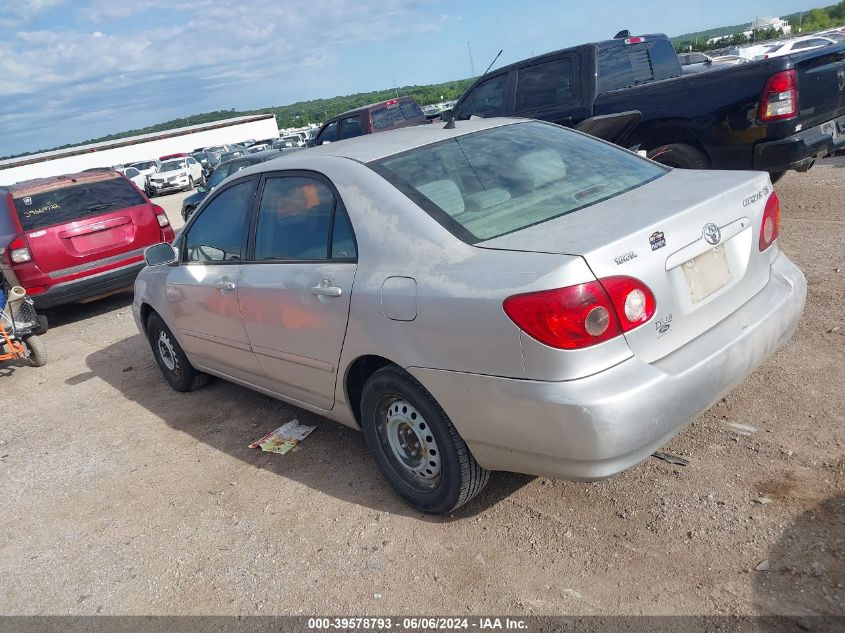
{"x": 76, "y": 237}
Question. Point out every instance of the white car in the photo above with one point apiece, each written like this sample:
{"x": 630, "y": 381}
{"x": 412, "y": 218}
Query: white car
{"x": 798, "y": 45}
{"x": 178, "y": 174}
{"x": 136, "y": 177}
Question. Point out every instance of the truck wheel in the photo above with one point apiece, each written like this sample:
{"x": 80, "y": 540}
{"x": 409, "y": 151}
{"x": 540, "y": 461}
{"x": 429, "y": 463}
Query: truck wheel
{"x": 774, "y": 176}
{"x": 680, "y": 155}
{"x": 415, "y": 445}
{"x": 37, "y": 351}
{"x": 174, "y": 365}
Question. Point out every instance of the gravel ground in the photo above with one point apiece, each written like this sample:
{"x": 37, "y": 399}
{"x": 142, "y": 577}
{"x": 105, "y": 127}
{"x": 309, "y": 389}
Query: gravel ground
{"x": 120, "y": 496}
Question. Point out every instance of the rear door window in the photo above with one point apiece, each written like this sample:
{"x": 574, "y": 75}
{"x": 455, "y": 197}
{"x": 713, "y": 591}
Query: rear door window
{"x": 294, "y": 220}
{"x": 546, "y": 85}
{"x": 627, "y": 65}
{"x": 487, "y": 99}
{"x": 350, "y": 127}
{"x": 75, "y": 202}
{"x": 217, "y": 233}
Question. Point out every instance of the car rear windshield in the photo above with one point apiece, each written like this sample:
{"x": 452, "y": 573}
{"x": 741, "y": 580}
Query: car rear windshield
{"x": 496, "y": 181}
{"x": 395, "y": 114}
{"x": 75, "y": 202}
{"x": 626, "y": 65}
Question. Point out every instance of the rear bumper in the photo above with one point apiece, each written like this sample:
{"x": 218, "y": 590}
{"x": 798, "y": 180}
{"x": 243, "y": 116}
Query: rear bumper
{"x": 801, "y": 149}
{"x": 595, "y": 427}
{"x": 87, "y": 287}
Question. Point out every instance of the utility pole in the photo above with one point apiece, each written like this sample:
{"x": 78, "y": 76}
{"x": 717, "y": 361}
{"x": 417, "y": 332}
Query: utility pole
{"x": 471, "y": 64}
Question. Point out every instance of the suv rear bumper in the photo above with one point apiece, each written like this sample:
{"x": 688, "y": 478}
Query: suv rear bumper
{"x": 800, "y": 150}
{"x": 87, "y": 287}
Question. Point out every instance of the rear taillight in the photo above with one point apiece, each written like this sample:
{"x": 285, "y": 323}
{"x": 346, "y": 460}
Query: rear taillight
{"x": 19, "y": 251}
{"x": 780, "y": 97}
{"x": 583, "y": 315}
{"x": 770, "y": 227}
{"x": 161, "y": 216}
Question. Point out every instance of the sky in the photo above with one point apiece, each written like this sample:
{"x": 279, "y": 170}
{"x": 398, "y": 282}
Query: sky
{"x": 72, "y": 70}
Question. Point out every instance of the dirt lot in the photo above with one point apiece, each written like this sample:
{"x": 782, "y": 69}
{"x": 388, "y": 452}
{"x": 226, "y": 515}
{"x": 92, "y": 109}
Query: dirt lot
{"x": 120, "y": 496}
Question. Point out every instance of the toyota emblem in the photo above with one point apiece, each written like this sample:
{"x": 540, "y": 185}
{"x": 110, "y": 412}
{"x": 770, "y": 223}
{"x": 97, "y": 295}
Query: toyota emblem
{"x": 712, "y": 233}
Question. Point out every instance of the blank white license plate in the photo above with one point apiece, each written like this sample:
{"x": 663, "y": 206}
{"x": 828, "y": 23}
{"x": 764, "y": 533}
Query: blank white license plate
{"x": 707, "y": 273}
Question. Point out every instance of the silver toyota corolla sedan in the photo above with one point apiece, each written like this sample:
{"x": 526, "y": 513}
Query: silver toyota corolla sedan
{"x": 504, "y": 295}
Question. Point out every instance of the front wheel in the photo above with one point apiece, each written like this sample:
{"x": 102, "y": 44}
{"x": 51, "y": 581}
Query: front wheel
{"x": 190, "y": 183}
{"x": 680, "y": 155}
{"x": 37, "y": 351}
{"x": 174, "y": 365}
{"x": 415, "y": 444}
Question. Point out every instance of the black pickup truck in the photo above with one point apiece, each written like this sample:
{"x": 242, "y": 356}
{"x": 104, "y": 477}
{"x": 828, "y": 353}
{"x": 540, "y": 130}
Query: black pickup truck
{"x": 773, "y": 115}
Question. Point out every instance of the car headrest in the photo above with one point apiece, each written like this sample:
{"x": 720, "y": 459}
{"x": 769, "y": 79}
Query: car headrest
{"x": 541, "y": 167}
{"x": 445, "y": 194}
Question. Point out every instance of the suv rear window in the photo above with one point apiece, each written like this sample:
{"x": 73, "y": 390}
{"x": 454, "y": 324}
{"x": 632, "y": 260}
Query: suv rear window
{"x": 626, "y": 65}
{"x": 396, "y": 114}
{"x": 496, "y": 181}
{"x": 75, "y": 202}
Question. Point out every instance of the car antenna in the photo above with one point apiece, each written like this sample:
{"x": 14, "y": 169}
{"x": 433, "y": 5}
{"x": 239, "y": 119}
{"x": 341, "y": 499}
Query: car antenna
{"x": 450, "y": 124}
{"x": 491, "y": 63}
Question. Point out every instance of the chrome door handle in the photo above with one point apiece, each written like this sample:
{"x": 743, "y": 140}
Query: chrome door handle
{"x": 325, "y": 289}
{"x": 225, "y": 284}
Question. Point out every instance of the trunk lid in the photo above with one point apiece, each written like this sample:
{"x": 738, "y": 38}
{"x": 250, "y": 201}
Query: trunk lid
{"x": 652, "y": 232}
{"x": 73, "y": 226}
{"x": 821, "y": 84}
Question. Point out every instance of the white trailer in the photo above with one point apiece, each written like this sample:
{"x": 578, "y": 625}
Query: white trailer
{"x": 138, "y": 148}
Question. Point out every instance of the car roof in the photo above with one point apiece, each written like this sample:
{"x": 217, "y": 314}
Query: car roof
{"x": 403, "y": 99}
{"x": 370, "y": 147}
{"x": 40, "y": 185}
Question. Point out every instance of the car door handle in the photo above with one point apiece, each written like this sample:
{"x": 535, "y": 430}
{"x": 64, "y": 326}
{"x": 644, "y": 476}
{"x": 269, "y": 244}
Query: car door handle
{"x": 225, "y": 284}
{"x": 325, "y": 289}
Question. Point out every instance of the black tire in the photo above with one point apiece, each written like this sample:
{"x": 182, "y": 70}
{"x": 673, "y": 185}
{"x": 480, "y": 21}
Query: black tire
{"x": 774, "y": 176}
{"x": 37, "y": 351}
{"x": 181, "y": 375}
{"x": 189, "y": 211}
{"x": 190, "y": 183}
{"x": 460, "y": 477}
{"x": 680, "y": 155}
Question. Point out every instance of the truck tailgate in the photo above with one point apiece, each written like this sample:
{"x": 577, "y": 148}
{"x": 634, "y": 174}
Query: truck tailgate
{"x": 821, "y": 85}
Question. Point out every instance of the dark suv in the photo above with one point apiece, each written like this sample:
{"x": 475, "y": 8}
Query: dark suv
{"x": 376, "y": 117}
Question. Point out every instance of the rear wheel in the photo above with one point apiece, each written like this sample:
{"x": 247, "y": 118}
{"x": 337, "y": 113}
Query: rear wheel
{"x": 774, "y": 176}
{"x": 174, "y": 365}
{"x": 680, "y": 155}
{"x": 416, "y": 446}
{"x": 37, "y": 351}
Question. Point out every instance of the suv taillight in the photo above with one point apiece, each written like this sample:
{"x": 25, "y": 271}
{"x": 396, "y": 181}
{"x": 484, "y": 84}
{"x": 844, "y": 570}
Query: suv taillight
{"x": 583, "y": 315}
{"x": 19, "y": 251}
{"x": 780, "y": 97}
{"x": 161, "y": 216}
{"x": 770, "y": 227}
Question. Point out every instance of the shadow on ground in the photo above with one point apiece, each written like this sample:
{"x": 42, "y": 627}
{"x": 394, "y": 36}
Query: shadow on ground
{"x": 805, "y": 580}
{"x": 334, "y": 459}
{"x": 76, "y": 312}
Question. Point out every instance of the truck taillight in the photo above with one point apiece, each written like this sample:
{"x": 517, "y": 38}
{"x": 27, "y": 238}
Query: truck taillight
{"x": 634, "y": 40}
{"x": 770, "y": 227}
{"x": 780, "y": 97}
{"x": 582, "y": 315}
{"x": 19, "y": 251}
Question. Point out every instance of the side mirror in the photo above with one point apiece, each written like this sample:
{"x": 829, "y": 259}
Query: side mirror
{"x": 201, "y": 189}
{"x": 160, "y": 255}
{"x": 447, "y": 115}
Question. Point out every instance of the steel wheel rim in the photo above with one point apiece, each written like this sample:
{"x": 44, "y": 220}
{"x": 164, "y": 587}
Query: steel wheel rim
{"x": 408, "y": 442}
{"x": 167, "y": 352}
